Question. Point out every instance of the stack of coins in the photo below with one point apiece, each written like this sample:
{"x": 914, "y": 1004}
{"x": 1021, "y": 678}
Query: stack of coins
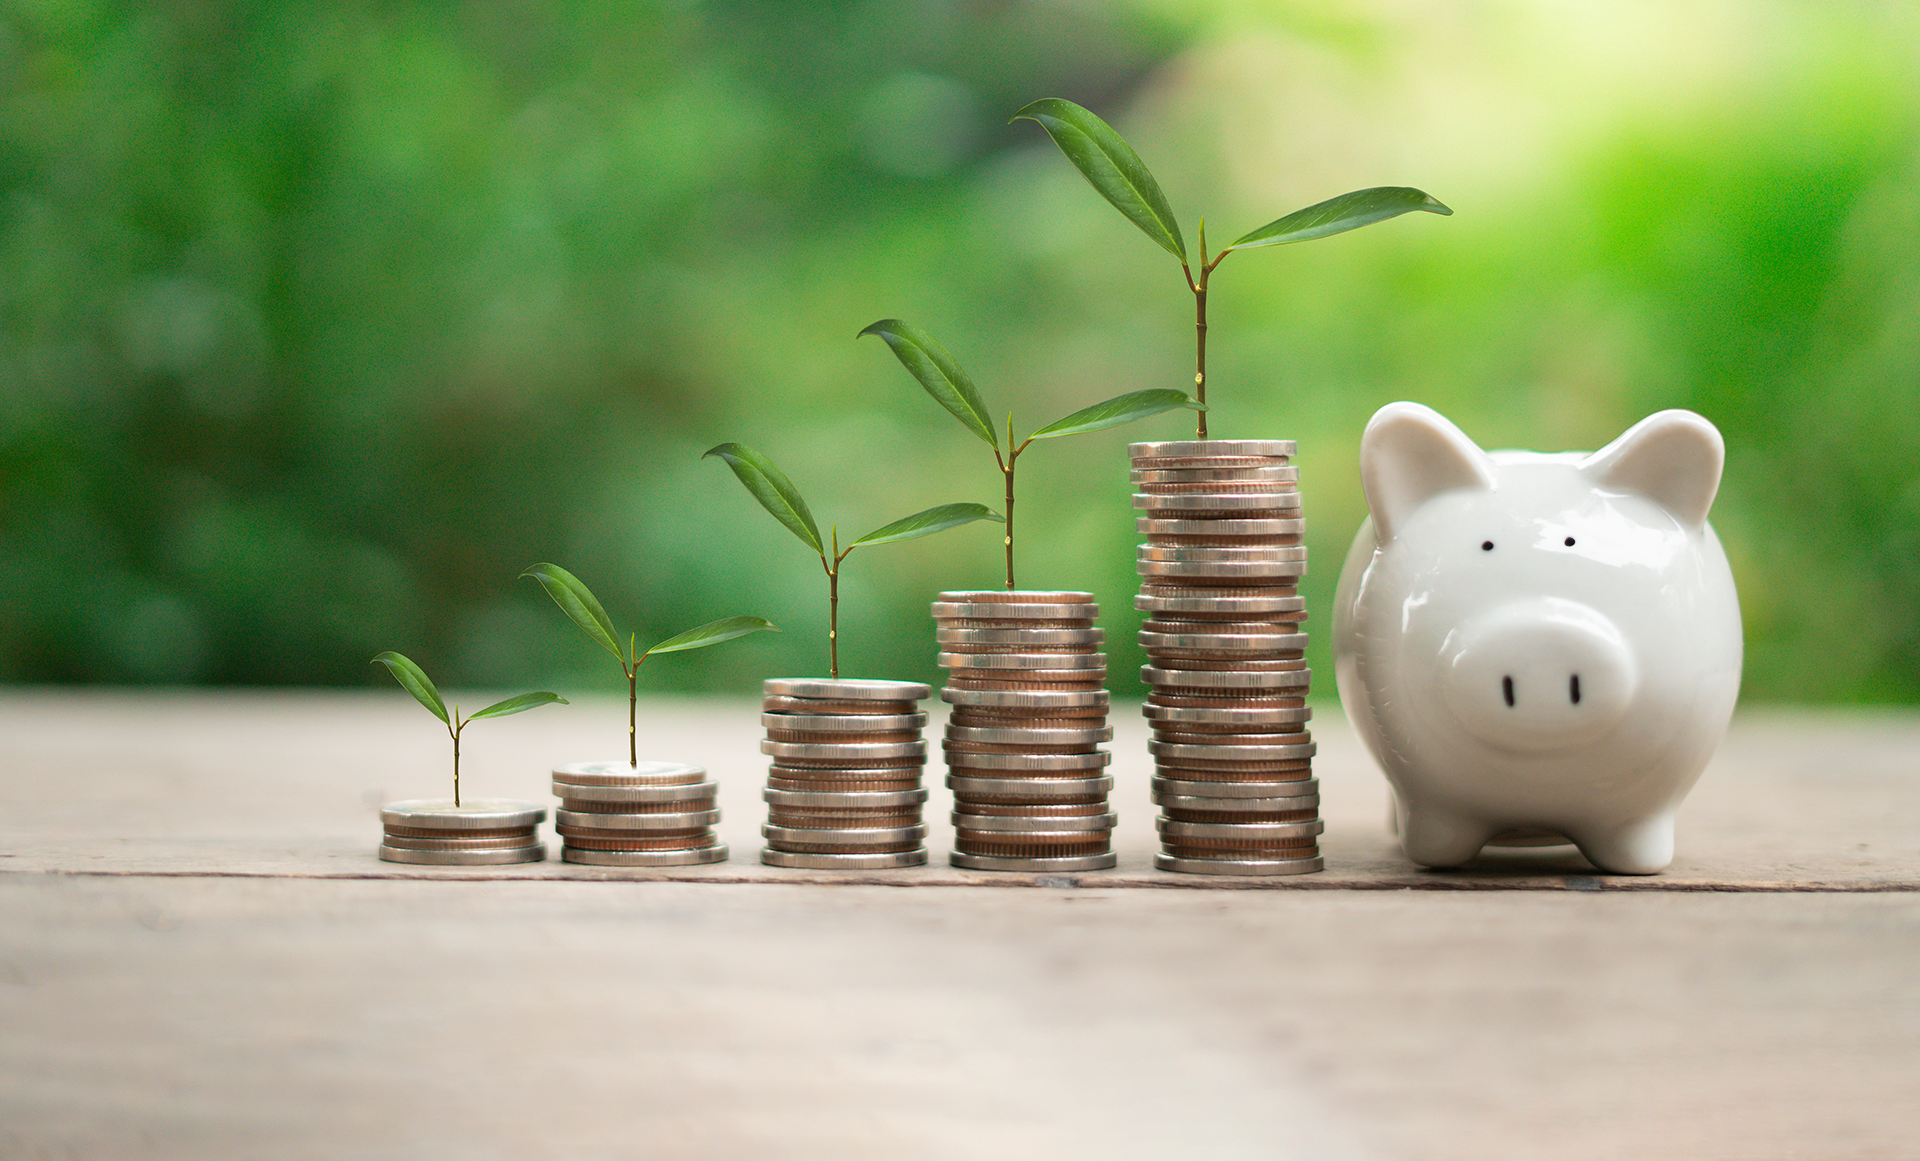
{"x": 844, "y": 792}
{"x": 1227, "y": 672}
{"x": 655, "y": 814}
{"x": 1028, "y": 687}
{"x": 476, "y": 833}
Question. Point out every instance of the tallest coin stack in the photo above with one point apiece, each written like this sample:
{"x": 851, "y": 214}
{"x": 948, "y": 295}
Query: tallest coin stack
{"x": 1227, "y": 675}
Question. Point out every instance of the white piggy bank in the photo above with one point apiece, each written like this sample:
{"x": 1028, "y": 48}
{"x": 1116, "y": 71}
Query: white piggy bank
{"x": 1538, "y": 648}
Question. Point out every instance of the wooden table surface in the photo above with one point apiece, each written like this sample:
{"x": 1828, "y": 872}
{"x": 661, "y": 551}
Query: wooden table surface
{"x": 200, "y": 956}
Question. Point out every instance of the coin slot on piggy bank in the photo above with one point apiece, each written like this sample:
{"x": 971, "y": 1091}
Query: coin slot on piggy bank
{"x": 1538, "y": 647}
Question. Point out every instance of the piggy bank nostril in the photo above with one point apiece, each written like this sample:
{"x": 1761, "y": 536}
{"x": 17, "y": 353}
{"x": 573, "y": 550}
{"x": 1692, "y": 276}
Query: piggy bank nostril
{"x": 1573, "y": 689}
{"x": 1506, "y": 688}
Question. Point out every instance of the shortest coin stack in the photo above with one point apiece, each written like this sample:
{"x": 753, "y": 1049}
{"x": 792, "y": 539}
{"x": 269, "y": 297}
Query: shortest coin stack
{"x": 843, "y": 791}
{"x": 655, "y": 814}
{"x": 475, "y": 833}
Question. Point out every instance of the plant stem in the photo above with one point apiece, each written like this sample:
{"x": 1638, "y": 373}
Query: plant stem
{"x": 833, "y": 604}
{"x": 633, "y": 709}
{"x": 1199, "y": 288}
{"x": 1006, "y": 469}
{"x": 455, "y": 731}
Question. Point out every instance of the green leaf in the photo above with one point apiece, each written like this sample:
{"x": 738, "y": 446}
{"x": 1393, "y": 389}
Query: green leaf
{"x": 514, "y": 705}
{"x": 927, "y": 523}
{"x": 771, "y": 487}
{"x": 712, "y": 633}
{"x": 579, "y": 604}
{"x": 415, "y": 682}
{"x": 1105, "y": 159}
{"x": 939, "y": 372}
{"x": 1349, "y": 211}
{"x": 1118, "y": 410}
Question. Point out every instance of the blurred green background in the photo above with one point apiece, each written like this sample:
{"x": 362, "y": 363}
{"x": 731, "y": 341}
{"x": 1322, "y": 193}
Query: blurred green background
{"x": 319, "y": 323}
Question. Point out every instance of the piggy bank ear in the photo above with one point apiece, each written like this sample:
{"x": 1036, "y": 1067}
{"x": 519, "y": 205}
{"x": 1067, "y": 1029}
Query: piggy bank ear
{"x": 1410, "y": 453}
{"x": 1671, "y": 457}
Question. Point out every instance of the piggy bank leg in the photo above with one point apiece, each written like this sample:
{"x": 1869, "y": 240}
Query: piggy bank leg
{"x": 1638, "y": 847}
{"x": 1435, "y": 837}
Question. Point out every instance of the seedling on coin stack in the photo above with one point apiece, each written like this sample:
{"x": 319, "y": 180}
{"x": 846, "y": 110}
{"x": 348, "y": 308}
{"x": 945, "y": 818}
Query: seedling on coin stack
{"x": 1116, "y": 172}
{"x": 1220, "y": 570}
{"x": 453, "y": 833}
{"x": 1027, "y": 680}
{"x": 942, "y": 377}
{"x": 844, "y": 787}
{"x": 776, "y": 493}
{"x": 634, "y": 814}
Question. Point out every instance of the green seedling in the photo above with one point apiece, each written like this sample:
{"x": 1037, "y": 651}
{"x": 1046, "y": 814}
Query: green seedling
{"x": 776, "y": 493}
{"x": 414, "y": 681}
{"x": 579, "y": 603}
{"x": 1113, "y": 169}
{"x": 944, "y": 379}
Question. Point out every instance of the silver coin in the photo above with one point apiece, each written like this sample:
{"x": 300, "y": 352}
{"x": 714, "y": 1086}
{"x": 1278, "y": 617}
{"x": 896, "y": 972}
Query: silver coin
{"x": 686, "y": 858}
{"x": 593, "y": 820}
{"x": 1259, "y": 626}
{"x": 1289, "y": 570}
{"x": 1014, "y": 736}
{"x": 1018, "y": 596}
{"x": 909, "y": 772}
{"x": 1222, "y": 502}
{"x": 1236, "y": 805}
{"x": 1031, "y": 763}
{"x": 1183, "y": 788}
{"x": 1206, "y": 448}
{"x": 1021, "y": 660}
{"x": 846, "y": 751}
{"x": 1222, "y": 554}
{"x": 847, "y": 799}
{"x": 1228, "y": 643}
{"x": 1161, "y": 749}
{"x": 691, "y": 792}
{"x": 843, "y": 836}
{"x": 1225, "y": 679}
{"x": 1224, "y": 716}
{"x": 506, "y": 842}
{"x": 1029, "y": 825}
{"x": 885, "y": 860}
{"x": 1028, "y": 637}
{"x": 1100, "y": 862}
{"x": 844, "y": 723}
{"x": 966, "y": 784}
{"x": 1240, "y": 866}
{"x": 1245, "y": 831}
{"x": 1155, "y": 527}
{"x": 1264, "y": 473}
{"x": 981, "y": 611}
{"x": 473, "y": 814}
{"x": 845, "y": 689}
{"x": 1237, "y": 606}
{"x": 1038, "y": 699}
{"x": 623, "y": 774}
{"x": 530, "y": 854}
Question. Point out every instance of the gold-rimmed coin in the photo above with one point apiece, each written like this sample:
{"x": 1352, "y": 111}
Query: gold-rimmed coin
{"x": 695, "y": 856}
{"x": 846, "y": 689}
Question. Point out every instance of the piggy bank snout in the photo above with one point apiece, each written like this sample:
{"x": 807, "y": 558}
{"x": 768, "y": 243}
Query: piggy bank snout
{"x": 1538, "y": 675}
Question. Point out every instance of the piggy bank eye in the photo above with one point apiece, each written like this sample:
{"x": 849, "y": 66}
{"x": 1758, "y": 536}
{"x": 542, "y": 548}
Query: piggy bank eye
{"x": 1486, "y": 546}
{"x": 1569, "y": 542}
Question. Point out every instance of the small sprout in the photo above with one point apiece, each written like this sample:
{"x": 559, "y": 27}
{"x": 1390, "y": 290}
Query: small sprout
{"x": 941, "y": 375}
{"x": 578, "y": 603}
{"x": 415, "y": 681}
{"x": 776, "y": 493}
{"x": 1111, "y": 166}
